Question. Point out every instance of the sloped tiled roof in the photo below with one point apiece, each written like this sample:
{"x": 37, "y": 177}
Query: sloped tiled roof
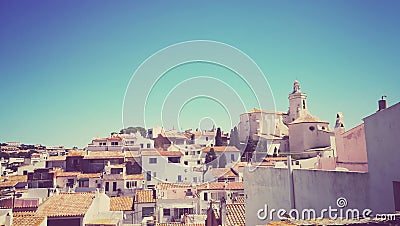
{"x": 144, "y": 196}
{"x": 76, "y": 153}
{"x": 66, "y": 205}
{"x": 223, "y": 173}
{"x": 307, "y": 118}
{"x": 27, "y": 219}
{"x": 162, "y": 153}
{"x": 221, "y": 149}
{"x": 121, "y": 203}
{"x": 57, "y": 158}
{"x": 11, "y": 181}
{"x": 235, "y": 215}
{"x": 104, "y": 155}
{"x": 89, "y": 175}
{"x": 239, "y": 200}
{"x": 165, "y": 186}
{"x": 67, "y": 174}
{"x": 221, "y": 186}
{"x": 134, "y": 177}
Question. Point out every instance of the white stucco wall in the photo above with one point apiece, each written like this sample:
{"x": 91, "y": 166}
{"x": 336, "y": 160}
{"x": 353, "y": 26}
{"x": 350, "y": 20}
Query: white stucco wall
{"x": 312, "y": 189}
{"x": 382, "y": 132}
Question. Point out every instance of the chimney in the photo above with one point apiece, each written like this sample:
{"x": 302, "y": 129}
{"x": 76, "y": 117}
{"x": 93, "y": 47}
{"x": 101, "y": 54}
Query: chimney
{"x": 382, "y": 103}
{"x": 222, "y": 211}
{"x": 9, "y": 219}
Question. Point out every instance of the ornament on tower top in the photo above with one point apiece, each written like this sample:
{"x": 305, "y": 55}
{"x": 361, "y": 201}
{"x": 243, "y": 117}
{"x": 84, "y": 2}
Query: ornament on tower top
{"x": 296, "y": 87}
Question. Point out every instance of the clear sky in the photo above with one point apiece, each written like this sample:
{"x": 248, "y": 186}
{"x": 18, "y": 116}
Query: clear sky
{"x": 65, "y": 65}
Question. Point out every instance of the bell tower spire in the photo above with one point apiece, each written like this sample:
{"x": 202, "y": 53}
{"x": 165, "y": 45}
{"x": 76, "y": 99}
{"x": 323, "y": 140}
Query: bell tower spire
{"x": 297, "y": 102}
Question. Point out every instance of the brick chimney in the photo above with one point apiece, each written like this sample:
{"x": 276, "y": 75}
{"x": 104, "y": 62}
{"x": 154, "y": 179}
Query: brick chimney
{"x": 382, "y": 104}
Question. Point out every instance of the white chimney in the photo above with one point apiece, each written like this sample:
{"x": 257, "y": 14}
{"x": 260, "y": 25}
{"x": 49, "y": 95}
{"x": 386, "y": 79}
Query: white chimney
{"x": 9, "y": 219}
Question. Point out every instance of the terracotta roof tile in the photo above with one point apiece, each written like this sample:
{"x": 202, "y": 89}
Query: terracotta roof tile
{"x": 76, "y": 153}
{"x": 66, "y": 205}
{"x": 89, "y": 175}
{"x": 235, "y": 215}
{"x": 121, "y": 203}
{"x": 162, "y": 153}
{"x": 11, "y": 181}
{"x": 220, "y": 149}
{"x": 223, "y": 173}
{"x": 57, "y": 158}
{"x": 104, "y": 155}
{"x": 165, "y": 186}
{"x": 239, "y": 200}
{"x": 307, "y": 118}
{"x": 134, "y": 177}
{"x": 144, "y": 196}
{"x": 27, "y": 219}
{"x": 221, "y": 186}
{"x": 67, "y": 174}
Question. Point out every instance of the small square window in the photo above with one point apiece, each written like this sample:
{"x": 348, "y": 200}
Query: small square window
{"x": 167, "y": 212}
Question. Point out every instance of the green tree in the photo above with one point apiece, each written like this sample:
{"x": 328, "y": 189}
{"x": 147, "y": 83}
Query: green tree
{"x": 234, "y": 138}
{"x": 134, "y": 130}
{"x": 218, "y": 138}
{"x": 249, "y": 149}
{"x": 222, "y": 161}
{"x": 211, "y": 157}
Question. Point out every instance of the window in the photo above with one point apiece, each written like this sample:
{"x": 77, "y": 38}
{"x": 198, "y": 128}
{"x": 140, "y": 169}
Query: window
{"x": 198, "y": 152}
{"x": 70, "y": 183}
{"x": 131, "y": 184}
{"x": 141, "y": 145}
{"x": 179, "y": 178}
{"x": 232, "y": 157}
{"x": 148, "y": 176}
{"x": 114, "y": 143}
{"x": 148, "y": 145}
{"x": 114, "y": 186}
{"x": 185, "y": 162}
{"x": 167, "y": 212}
{"x": 205, "y": 196}
{"x": 198, "y": 162}
{"x": 186, "y": 153}
{"x": 154, "y": 174}
{"x": 304, "y": 104}
{"x": 116, "y": 170}
{"x": 84, "y": 183}
{"x": 102, "y": 143}
{"x": 195, "y": 179}
{"x": 107, "y": 186}
{"x": 147, "y": 211}
{"x": 153, "y": 160}
{"x": 206, "y": 138}
{"x": 311, "y": 128}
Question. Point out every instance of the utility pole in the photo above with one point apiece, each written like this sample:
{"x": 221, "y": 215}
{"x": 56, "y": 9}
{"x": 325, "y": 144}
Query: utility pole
{"x": 291, "y": 182}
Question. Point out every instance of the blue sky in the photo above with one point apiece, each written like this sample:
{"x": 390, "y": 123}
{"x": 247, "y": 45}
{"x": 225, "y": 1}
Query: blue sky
{"x": 65, "y": 65}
